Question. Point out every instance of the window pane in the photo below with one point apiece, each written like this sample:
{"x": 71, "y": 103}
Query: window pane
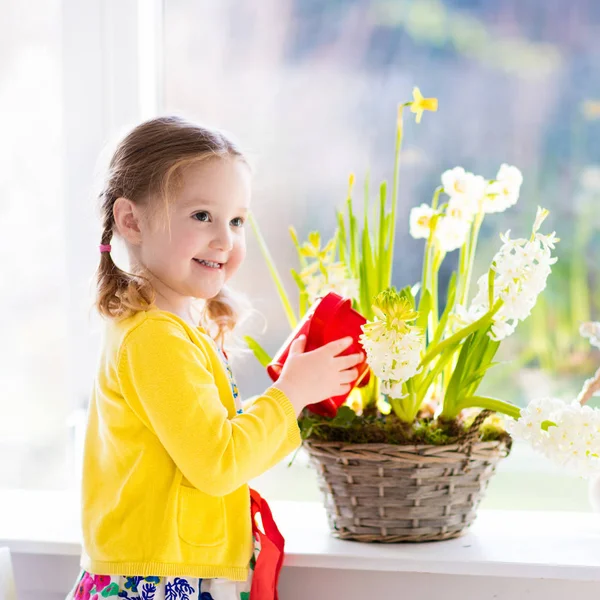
{"x": 312, "y": 88}
{"x": 33, "y": 298}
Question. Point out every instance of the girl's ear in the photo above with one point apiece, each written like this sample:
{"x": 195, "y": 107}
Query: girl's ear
{"x": 127, "y": 221}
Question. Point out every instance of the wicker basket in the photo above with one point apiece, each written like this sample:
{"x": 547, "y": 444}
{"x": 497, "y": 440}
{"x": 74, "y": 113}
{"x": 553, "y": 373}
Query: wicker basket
{"x": 391, "y": 493}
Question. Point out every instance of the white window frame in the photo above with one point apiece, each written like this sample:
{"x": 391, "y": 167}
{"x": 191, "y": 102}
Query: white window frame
{"x": 111, "y": 80}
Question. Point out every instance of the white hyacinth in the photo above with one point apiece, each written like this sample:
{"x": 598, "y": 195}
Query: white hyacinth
{"x": 464, "y": 187}
{"x": 393, "y": 347}
{"x": 568, "y": 434}
{"x": 591, "y": 330}
{"x": 420, "y": 221}
{"x": 503, "y": 192}
{"x": 521, "y": 269}
{"x": 337, "y": 280}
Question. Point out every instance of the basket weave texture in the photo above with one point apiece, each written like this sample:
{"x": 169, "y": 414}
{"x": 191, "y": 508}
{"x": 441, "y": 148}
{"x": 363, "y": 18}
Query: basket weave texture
{"x": 392, "y": 493}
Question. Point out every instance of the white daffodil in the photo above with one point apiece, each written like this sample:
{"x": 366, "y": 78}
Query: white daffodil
{"x": 393, "y": 347}
{"x": 420, "y": 221}
{"x": 521, "y": 268}
{"x": 503, "y": 192}
{"x": 464, "y": 187}
{"x": 510, "y": 174}
{"x": 457, "y": 209}
{"x": 337, "y": 280}
{"x": 451, "y": 233}
{"x": 591, "y": 330}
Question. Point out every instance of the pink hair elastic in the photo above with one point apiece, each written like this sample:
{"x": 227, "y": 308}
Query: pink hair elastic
{"x": 105, "y": 248}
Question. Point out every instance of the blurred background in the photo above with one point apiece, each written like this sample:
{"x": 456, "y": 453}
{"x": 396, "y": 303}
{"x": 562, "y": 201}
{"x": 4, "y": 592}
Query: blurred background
{"x": 310, "y": 89}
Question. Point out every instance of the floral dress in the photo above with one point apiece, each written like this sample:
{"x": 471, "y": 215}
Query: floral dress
{"x": 97, "y": 587}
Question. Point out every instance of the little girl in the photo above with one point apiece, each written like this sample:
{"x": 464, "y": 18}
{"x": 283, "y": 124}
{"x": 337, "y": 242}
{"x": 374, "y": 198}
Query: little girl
{"x": 169, "y": 452}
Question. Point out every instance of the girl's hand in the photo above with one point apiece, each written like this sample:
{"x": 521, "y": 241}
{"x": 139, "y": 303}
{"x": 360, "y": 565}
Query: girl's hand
{"x": 309, "y": 377}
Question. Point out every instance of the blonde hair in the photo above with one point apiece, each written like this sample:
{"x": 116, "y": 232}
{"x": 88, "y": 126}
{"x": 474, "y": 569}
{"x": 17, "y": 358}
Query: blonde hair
{"x": 145, "y": 165}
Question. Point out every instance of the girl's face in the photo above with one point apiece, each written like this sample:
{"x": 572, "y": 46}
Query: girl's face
{"x": 203, "y": 244}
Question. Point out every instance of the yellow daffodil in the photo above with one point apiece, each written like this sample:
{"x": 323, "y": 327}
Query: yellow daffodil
{"x": 419, "y": 104}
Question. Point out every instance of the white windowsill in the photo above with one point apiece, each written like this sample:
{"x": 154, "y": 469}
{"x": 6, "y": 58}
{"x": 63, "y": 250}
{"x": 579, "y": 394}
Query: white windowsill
{"x": 533, "y": 545}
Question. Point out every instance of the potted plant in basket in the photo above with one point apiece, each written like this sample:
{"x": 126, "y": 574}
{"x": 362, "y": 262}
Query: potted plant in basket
{"x": 409, "y": 455}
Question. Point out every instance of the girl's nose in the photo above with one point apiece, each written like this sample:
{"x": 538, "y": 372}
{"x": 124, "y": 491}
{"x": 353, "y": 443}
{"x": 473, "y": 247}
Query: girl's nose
{"x": 222, "y": 240}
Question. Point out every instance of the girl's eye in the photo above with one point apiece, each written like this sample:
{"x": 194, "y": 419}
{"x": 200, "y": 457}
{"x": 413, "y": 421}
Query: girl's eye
{"x": 238, "y": 222}
{"x": 202, "y": 216}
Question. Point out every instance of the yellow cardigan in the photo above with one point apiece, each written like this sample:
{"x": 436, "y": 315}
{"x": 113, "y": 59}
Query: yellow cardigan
{"x": 167, "y": 459}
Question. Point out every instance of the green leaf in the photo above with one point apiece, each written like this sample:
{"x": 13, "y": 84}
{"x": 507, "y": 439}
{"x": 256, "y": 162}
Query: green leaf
{"x": 303, "y": 299}
{"x": 453, "y": 389}
{"x": 382, "y": 234}
{"x": 424, "y": 310}
{"x": 298, "y": 279}
{"x": 437, "y": 369}
{"x": 364, "y": 304}
{"x": 476, "y": 377}
{"x": 387, "y": 256}
{"x": 461, "y": 334}
{"x": 111, "y": 590}
{"x": 259, "y": 352}
{"x": 296, "y": 243}
{"x": 342, "y": 243}
{"x": 344, "y": 417}
{"x": 450, "y": 298}
{"x": 354, "y": 258}
{"x": 494, "y": 404}
{"x": 274, "y": 273}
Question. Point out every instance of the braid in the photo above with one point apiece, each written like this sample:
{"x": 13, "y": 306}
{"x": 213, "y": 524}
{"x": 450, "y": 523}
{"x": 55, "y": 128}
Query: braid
{"x": 120, "y": 294}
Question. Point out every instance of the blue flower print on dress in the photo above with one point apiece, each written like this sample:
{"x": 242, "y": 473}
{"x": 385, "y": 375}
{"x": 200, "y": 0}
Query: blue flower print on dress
{"x": 203, "y": 595}
{"x": 132, "y": 583}
{"x": 148, "y": 589}
{"x": 180, "y": 589}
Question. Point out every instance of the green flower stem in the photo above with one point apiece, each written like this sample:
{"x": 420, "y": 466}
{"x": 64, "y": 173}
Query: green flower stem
{"x": 399, "y": 132}
{"x": 485, "y": 402}
{"x": 287, "y": 307}
{"x": 462, "y": 271}
{"x": 472, "y": 243}
{"x": 429, "y": 244}
{"x": 438, "y": 259}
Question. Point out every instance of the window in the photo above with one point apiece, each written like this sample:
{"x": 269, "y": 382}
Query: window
{"x": 312, "y": 89}
{"x": 34, "y": 403}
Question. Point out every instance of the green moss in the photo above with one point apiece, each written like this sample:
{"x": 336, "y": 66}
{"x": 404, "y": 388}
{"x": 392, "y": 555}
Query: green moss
{"x": 376, "y": 428}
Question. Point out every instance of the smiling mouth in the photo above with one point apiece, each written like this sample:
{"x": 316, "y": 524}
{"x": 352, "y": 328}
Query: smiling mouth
{"x": 209, "y": 264}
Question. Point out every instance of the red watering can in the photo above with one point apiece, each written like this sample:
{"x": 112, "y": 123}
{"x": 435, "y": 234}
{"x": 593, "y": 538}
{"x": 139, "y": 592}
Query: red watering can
{"x": 329, "y": 319}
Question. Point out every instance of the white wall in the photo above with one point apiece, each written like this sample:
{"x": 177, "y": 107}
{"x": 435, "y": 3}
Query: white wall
{"x": 41, "y": 577}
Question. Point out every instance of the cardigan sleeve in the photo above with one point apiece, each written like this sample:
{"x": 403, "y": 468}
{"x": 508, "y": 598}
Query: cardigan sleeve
{"x": 166, "y": 380}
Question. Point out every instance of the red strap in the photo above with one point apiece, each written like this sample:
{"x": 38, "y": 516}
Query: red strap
{"x": 270, "y": 558}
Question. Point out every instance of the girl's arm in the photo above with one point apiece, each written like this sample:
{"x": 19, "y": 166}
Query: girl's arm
{"x": 166, "y": 381}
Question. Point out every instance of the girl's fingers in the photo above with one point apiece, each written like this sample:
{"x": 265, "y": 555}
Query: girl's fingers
{"x": 345, "y": 388}
{"x": 337, "y": 346}
{"x": 351, "y": 360}
{"x": 298, "y": 345}
{"x": 348, "y": 376}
